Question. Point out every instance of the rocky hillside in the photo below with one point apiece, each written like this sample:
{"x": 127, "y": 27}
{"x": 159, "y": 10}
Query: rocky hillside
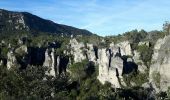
{"x": 15, "y": 22}
{"x": 133, "y": 65}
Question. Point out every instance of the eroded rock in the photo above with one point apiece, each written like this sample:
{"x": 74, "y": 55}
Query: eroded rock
{"x": 11, "y": 60}
{"x": 159, "y": 74}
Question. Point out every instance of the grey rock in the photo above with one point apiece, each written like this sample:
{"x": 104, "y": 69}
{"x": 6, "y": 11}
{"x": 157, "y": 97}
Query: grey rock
{"x": 11, "y": 60}
{"x": 161, "y": 65}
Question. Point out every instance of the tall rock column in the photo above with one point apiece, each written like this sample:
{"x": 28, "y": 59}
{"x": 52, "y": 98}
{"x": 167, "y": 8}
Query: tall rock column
{"x": 11, "y": 60}
{"x": 110, "y": 67}
{"x": 50, "y": 62}
{"x": 77, "y": 50}
{"x": 159, "y": 75}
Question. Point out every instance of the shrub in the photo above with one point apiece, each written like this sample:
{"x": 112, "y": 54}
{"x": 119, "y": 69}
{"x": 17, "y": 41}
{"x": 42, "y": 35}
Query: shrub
{"x": 145, "y": 54}
{"x": 156, "y": 77}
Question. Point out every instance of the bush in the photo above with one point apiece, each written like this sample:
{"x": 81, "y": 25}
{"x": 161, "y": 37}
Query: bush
{"x": 156, "y": 77}
{"x": 145, "y": 54}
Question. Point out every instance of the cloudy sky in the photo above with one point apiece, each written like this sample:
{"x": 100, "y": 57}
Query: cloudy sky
{"x": 104, "y": 17}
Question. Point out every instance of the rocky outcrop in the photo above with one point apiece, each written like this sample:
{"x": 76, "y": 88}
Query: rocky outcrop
{"x": 1, "y": 62}
{"x": 159, "y": 74}
{"x": 56, "y": 64}
{"x": 125, "y": 48}
{"x": 112, "y": 61}
{"x": 77, "y": 50}
{"x": 11, "y": 60}
{"x": 81, "y": 51}
{"x": 23, "y": 56}
{"x": 50, "y": 62}
{"x": 141, "y": 67}
{"x": 23, "y": 49}
{"x": 91, "y": 53}
{"x": 110, "y": 67}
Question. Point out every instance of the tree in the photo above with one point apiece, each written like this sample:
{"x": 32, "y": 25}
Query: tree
{"x": 166, "y": 27}
{"x": 78, "y": 70}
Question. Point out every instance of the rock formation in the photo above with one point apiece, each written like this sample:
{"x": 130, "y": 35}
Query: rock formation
{"x": 110, "y": 67}
{"x": 50, "y": 62}
{"x": 159, "y": 70}
{"x": 11, "y": 60}
{"x": 90, "y": 52}
{"x": 141, "y": 67}
{"x": 125, "y": 48}
{"x": 110, "y": 60}
{"x": 77, "y": 50}
{"x": 1, "y": 62}
{"x": 113, "y": 62}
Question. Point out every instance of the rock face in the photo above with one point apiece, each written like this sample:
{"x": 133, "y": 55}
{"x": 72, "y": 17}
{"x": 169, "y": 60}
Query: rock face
{"x": 141, "y": 67}
{"x": 125, "y": 48}
{"x": 1, "y": 62}
{"x": 111, "y": 64}
{"x": 19, "y": 56}
{"x": 51, "y": 63}
{"x": 81, "y": 51}
{"x": 110, "y": 67}
{"x": 56, "y": 64}
{"x": 110, "y": 60}
{"x": 77, "y": 50}
{"x": 11, "y": 60}
{"x": 22, "y": 49}
{"x": 91, "y": 53}
{"x": 23, "y": 56}
{"x": 159, "y": 71}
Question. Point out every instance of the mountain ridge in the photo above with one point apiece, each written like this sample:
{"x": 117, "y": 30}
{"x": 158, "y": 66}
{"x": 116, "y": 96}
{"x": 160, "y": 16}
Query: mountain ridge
{"x": 11, "y": 20}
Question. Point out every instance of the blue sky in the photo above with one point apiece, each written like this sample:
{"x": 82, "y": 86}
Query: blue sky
{"x": 103, "y": 17}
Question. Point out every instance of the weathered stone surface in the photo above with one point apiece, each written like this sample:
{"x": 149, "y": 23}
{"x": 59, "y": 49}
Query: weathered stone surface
{"x": 125, "y": 48}
{"x": 50, "y": 62}
{"x": 161, "y": 65}
{"x": 53, "y": 63}
{"x": 1, "y": 62}
{"x": 141, "y": 67}
{"x": 77, "y": 50}
{"x": 11, "y": 60}
{"x": 22, "y": 50}
{"x": 91, "y": 53}
{"x": 110, "y": 67}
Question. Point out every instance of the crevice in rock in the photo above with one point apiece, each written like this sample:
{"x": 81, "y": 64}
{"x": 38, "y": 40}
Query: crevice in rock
{"x": 110, "y": 57}
{"x": 64, "y": 60}
{"x": 118, "y": 54}
{"x": 96, "y": 51}
{"x": 128, "y": 67}
{"x": 37, "y": 56}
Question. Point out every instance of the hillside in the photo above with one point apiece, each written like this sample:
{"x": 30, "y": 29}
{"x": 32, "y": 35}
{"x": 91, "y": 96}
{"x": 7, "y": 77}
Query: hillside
{"x": 18, "y": 22}
{"x": 38, "y": 64}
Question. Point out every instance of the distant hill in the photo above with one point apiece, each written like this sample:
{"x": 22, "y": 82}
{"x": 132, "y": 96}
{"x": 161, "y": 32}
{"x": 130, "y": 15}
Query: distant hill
{"x": 13, "y": 22}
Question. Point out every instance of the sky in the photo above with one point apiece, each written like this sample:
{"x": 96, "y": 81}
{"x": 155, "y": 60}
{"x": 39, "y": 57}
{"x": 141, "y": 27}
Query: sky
{"x": 102, "y": 17}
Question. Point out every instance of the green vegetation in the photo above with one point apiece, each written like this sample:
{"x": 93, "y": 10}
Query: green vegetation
{"x": 80, "y": 82}
{"x": 156, "y": 77}
{"x": 135, "y": 79}
{"x": 145, "y": 54}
